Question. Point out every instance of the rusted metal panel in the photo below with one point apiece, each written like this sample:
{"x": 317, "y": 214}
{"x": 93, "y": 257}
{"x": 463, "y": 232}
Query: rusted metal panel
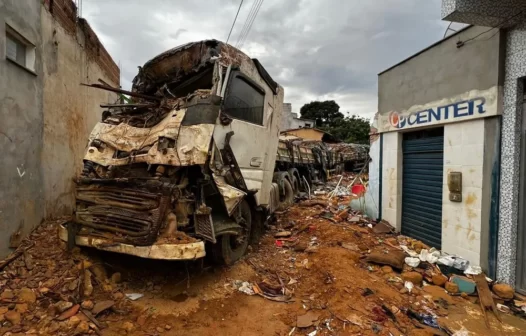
{"x": 166, "y": 251}
{"x": 231, "y": 195}
{"x": 131, "y": 215}
{"x": 192, "y": 142}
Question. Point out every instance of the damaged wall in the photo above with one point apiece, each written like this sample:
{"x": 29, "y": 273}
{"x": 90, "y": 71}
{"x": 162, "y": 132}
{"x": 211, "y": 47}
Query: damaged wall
{"x": 21, "y": 126}
{"x": 72, "y": 54}
{"x": 372, "y": 195}
{"x": 46, "y": 116}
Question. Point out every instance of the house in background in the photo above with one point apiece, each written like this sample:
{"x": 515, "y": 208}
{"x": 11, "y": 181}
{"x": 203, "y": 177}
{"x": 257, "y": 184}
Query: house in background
{"x": 311, "y": 134}
{"x": 290, "y": 120}
{"x": 46, "y": 51}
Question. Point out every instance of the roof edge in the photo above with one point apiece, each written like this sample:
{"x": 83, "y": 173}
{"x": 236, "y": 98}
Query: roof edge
{"x": 426, "y": 49}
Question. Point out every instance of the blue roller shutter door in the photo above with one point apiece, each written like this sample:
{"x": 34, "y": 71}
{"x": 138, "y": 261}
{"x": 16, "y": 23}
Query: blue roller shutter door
{"x": 423, "y": 165}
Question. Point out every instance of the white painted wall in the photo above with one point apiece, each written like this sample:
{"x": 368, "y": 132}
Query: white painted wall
{"x": 392, "y": 179}
{"x": 465, "y": 225}
{"x": 467, "y": 149}
{"x": 370, "y": 202}
{"x": 461, "y": 221}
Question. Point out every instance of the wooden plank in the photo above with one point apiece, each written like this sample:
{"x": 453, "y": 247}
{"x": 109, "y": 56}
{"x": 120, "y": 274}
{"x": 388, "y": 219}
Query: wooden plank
{"x": 485, "y": 297}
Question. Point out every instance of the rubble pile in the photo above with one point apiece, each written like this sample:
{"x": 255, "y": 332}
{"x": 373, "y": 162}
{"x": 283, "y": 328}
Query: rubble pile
{"x": 321, "y": 269}
{"x": 47, "y": 290}
{"x": 344, "y": 272}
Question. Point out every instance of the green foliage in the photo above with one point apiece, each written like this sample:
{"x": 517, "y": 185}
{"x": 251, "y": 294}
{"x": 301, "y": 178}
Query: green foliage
{"x": 323, "y": 112}
{"x": 353, "y": 129}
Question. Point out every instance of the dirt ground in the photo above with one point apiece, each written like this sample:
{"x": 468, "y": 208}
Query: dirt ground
{"x": 331, "y": 289}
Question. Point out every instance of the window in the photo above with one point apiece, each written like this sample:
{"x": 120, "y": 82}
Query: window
{"x": 307, "y": 125}
{"x": 244, "y": 101}
{"x": 16, "y": 51}
{"x": 19, "y": 50}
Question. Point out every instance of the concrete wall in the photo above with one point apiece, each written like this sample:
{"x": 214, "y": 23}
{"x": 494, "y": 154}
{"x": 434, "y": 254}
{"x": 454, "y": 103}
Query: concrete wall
{"x": 70, "y": 110}
{"x": 20, "y": 127}
{"x": 372, "y": 195}
{"x": 510, "y": 224}
{"x": 392, "y": 179}
{"x": 442, "y": 71}
{"x": 46, "y": 115}
{"x": 490, "y": 13}
{"x": 469, "y": 148}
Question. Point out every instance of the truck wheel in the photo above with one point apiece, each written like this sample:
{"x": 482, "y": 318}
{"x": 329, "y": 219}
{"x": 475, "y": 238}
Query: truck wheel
{"x": 295, "y": 185}
{"x": 309, "y": 182}
{"x": 288, "y": 199}
{"x": 230, "y": 248}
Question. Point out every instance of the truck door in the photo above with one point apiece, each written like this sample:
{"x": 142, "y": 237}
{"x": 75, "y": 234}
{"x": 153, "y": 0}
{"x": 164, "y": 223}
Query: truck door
{"x": 255, "y": 118}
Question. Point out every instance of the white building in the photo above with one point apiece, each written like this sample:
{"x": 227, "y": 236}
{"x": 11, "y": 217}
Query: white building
{"x": 290, "y": 120}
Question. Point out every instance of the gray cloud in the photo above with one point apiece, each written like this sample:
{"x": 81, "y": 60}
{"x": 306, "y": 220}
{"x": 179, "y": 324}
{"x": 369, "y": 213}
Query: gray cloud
{"x": 315, "y": 49}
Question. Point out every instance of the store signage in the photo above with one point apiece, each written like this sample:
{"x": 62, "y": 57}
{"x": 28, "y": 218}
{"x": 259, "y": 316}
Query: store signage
{"x": 450, "y": 112}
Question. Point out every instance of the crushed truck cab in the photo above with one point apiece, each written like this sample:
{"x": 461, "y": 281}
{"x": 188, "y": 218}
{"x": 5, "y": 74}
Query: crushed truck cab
{"x": 191, "y": 164}
{"x": 186, "y": 161}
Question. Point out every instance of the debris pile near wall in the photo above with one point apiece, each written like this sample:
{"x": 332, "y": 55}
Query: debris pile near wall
{"x": 47, "y": 290}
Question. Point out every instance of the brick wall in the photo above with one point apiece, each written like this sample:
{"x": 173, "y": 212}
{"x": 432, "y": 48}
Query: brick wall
{"x": 65, "y": 13}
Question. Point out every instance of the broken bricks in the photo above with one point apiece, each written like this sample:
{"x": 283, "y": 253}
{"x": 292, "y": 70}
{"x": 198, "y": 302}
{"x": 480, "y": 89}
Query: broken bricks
{"x": 393, "y": 258}
{"x": 503, "y": 291}
{"x": 307, "y": 320}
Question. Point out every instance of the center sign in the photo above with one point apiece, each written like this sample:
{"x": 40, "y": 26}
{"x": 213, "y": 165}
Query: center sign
{"x": 441, "y": 112}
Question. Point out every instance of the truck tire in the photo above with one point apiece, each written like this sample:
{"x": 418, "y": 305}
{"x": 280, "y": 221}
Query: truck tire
{"x": 288, "y": 199}
{"x": 295, "y": 185}
{"x": 230, "y": 248}
{"x": 309, "y": 182}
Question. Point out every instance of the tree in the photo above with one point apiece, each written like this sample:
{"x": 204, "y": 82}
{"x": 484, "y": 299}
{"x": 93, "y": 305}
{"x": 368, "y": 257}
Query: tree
{"x": 323, "y": 112}
{"x": 353, "y": 129}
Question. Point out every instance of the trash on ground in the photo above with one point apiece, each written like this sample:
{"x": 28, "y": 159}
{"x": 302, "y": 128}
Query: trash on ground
{"x": 473, "y": 270}
{"x": 383, "y": 227}
{"x": 134, "y": 296}
{"x": 485, "y": 298}
{"x": 307, "y": 320}
{"x": 244, "y": 287}
{"x": 412, "y": 261}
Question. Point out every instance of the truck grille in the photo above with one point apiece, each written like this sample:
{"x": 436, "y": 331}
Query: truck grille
{"x": 131, "y": 216}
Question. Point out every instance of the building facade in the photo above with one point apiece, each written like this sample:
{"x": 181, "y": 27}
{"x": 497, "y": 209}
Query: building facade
{"x": 290, "y": 120}
{"x": 453, "y": 140}
{"x": 441, "y": 125}
{"x": 509, "y": 15}
{"x": 46, "y": 51}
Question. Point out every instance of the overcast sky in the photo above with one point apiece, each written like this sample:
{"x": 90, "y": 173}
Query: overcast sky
{"x": 316, "y": 49}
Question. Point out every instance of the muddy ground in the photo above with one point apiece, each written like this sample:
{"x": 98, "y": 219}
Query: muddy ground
{"x": 331, "y": 288}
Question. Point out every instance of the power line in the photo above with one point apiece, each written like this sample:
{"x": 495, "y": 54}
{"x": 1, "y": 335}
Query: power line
{"x": 251, "y": 23}
{"x": 498, "y": 26}
{"x": 247, "y": 20}
{"x": 233, "y": 23}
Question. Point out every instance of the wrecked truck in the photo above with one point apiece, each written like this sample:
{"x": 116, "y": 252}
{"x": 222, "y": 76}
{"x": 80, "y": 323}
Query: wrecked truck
{"x": 188, "y": 167}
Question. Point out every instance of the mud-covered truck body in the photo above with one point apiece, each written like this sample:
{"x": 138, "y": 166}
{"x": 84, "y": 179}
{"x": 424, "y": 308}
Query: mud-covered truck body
{"x": 191, "y": 159}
